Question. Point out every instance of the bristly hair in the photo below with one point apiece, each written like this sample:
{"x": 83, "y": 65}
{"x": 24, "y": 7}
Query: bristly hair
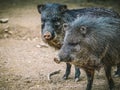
{"x": 102, "y": 22}
{"x": 100, "y": 30}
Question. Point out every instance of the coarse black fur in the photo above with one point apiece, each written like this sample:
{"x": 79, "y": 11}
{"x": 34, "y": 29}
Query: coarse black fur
{"x": 90, "y": 43}
{"x": 53, "y": 16}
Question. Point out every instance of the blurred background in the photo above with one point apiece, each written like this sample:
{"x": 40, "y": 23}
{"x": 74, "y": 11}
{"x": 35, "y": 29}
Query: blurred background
{"x": 6, "y": 4}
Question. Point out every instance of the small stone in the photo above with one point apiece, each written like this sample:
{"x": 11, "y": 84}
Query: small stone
{"x": 38, "y": 46}
{"x": 4, "y": 20}
{"x": 28, "y": 39}
{"x": 41, "y": 46}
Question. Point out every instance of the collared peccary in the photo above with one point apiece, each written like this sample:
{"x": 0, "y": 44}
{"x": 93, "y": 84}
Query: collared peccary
{"x": 91, "y": 43}
{"x": 53, "y": 16}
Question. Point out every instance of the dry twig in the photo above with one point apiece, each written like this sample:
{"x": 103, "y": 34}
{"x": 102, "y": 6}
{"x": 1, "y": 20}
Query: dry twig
{"x": 53, "y": 73}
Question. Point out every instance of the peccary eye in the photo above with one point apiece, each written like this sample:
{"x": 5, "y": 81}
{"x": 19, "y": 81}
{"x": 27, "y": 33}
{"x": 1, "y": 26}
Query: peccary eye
{"x": 57, "y": 23}
{"x": 55, "y": 19}
{"x": 65, "y": 25}
{"x": 83, "y": 30}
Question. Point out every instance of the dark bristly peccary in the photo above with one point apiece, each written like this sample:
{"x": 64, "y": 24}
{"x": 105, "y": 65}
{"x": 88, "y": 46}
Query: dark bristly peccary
{"x": 53, "y": 16}
{"x": 91, "y": 43}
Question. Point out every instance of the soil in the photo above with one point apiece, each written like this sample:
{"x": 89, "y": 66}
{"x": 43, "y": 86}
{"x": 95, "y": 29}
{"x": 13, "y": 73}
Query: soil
{"x": 25, "y": 60}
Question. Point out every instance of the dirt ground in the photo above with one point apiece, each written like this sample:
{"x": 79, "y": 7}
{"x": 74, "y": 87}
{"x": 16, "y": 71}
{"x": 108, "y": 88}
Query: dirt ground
{"x": 25, "y": 61}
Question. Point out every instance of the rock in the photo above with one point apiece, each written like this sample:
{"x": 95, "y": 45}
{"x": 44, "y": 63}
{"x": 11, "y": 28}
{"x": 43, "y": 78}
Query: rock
{"x": 41, "y": 46}
{"x": 35, "y": 39}
{"x": 4, "y": 20}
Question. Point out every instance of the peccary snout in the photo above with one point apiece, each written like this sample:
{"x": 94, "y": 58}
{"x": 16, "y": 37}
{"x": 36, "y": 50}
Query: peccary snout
{"x": 64, "y": 55}
{"x": 57, "y": 60}
{"x": 47, "y": 35}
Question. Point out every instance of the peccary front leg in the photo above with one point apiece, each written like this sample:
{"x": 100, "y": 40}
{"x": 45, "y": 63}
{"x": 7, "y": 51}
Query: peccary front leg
{"x": 90, "y": 76}
{"x": 109, "y": 77}
{"x": 77, "y": 74}
{"x": 117, "y": 73}
{"x": 67, "y": 72}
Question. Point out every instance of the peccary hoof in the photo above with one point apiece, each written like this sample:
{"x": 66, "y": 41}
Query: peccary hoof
{"x": 117, "y": 74}
{"x": 64, "y": 77}
{"x": 77, "y": 79}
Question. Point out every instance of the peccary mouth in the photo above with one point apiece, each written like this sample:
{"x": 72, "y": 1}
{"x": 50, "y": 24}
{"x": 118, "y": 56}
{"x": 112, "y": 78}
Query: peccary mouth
{"x": 57, "y": 60}
{"x": 54, "y": 43}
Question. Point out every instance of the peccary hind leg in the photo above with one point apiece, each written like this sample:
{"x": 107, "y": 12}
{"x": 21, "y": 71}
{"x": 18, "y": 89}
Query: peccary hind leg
{"x": 109, "y": 77}
{"x": 90, "y": 76}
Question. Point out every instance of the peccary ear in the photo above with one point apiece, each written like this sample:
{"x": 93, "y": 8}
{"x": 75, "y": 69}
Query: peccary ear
{"x": 63, "y": 8}
{"x": 65, "y": 26}
{"x": 83, "y": 30}
{"x": 40, "y": 7}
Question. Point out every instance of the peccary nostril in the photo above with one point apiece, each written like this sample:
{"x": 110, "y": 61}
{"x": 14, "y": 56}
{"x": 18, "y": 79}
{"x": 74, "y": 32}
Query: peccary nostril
{"x": 47, "y": 35}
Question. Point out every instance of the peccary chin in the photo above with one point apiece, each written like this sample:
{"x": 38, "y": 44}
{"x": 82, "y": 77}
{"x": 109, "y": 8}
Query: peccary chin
{"x": 100, "y": 43}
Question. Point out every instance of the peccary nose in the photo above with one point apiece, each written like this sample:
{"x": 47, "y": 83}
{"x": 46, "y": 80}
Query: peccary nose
{"x": 47, "y": 35}
{"x": 62, "y": 57}
{"x": 57, "y": 60}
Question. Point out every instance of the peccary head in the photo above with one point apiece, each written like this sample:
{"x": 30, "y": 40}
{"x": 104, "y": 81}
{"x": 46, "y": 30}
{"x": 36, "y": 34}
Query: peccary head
{"x": 91, "y": 40}
{"x": 53, "y": 16}
{"x": 52, "y": 21}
